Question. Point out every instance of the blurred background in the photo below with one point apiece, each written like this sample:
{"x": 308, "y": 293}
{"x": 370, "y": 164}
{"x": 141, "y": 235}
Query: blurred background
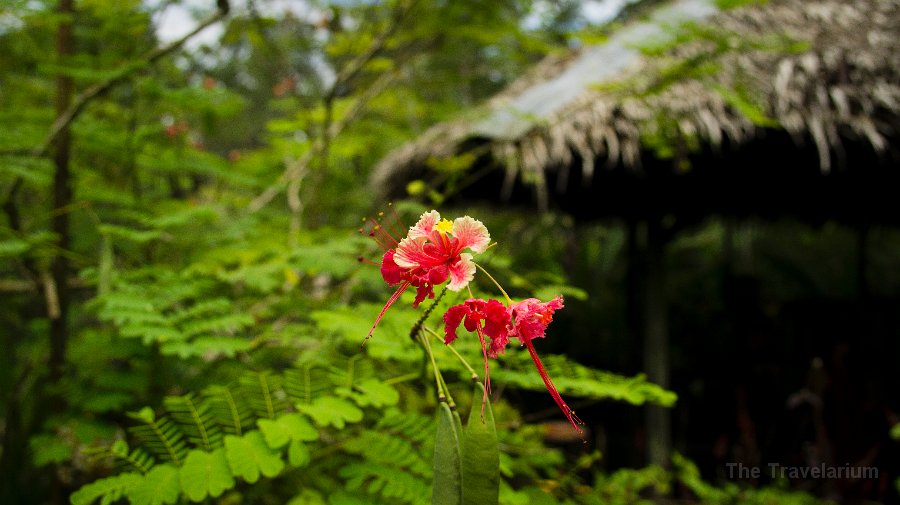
{"x": 710, "y": 184}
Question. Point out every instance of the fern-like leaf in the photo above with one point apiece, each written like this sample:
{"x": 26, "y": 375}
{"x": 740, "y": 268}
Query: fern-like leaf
{"x": 264, "y": 394}
{"x": 249, "y": 457}
{"x": 306, "y": 383}
{"x": 575, "y": 379}
{"x": 228, "y": 409}
{"x": 109, "y": 490}
{"x": 386, "y": 481}
{"x": 331, "y": 411}
{"x": 195, "y": 420}
{"x": 388, "y": 449}
{"x": 346, "y": 371}
{"x": 412, "y": 426}
{"x": 287, "y": 428}
{"x": 137, "y": 459}
{"x": 159, "y": 435}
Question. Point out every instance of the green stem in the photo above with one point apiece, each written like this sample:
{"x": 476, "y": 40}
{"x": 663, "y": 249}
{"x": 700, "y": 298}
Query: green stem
{"x": 491, "y": 277}
{"x": 402, "y": 378}
{"x": 455, "y": 353}
{"x": 438, "y": 382}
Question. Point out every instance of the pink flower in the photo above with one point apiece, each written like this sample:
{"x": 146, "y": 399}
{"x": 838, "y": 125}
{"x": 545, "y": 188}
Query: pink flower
{"x": 531, "y": 319}
{"x": 430, "y": 254}
{"x": 433, "y": 250}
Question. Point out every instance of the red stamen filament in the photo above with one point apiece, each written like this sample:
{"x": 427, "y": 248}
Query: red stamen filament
{"x": 487, "y": 372}
{"x": 387, "y": 305}
{"x": 381, "y": 236}
{"x": 394, "y": 225}
{"x": 570, "y": 414}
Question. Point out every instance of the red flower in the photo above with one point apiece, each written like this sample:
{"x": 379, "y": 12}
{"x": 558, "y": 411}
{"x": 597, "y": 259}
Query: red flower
{"x": 489, "y": 318}
{"x": 496, "y": 319}
{"x": 430, "y": 254}
{"x": 526, "y": 320}
{"x": 531, "y": 319}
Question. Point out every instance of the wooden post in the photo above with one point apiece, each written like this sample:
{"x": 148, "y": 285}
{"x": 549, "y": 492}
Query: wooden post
{"x": 656, "y": 342}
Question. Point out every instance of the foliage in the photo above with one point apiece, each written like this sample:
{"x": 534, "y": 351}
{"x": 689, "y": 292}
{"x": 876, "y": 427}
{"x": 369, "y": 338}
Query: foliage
{"x": 269, "y": 424}
{"x": 209, "y": 347}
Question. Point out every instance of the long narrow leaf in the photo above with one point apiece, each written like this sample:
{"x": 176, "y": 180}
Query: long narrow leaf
{"x": 481, "y": 455}
{"x": 448, "y": 478}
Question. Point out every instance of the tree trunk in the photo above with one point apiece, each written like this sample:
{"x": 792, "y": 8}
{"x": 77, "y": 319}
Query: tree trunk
{"x": 62, "y": 199}
{"x": 57, "y": 287}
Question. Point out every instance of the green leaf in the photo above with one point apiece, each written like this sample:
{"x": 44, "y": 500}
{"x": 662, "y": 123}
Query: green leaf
{"x": 205, "y": 474}
{"x": 575, "y": 379}
{"x": 331, "y": 411}
{"x": 549, "y": 291}
{"x": 207, "y": 347}
{"x": 249, "y": 456}
{"x": 109, "y": 489}
{"x": 371, "y": 393}
{"x": 481, "y": 455}
{"x": 128, "y": 234}
{"x": 391, "y": 483}
{"x": 159, "y": 487}
{"x": 298, "y": 454}
{"x": 47, "y": 449}
{"x": 895, "y": 431}
{"x": 344, "y": 498}
{"x": 287, "y": 428}
{"x": 308, "y": 497}
{"x": 273, "y": 433}
{"x": 160, "y": 436}
{"x": 376, "y": 446}
{"x": 448, "y": 478}
{"x": 745, "y": 106}
{"x": 13, "y": 248}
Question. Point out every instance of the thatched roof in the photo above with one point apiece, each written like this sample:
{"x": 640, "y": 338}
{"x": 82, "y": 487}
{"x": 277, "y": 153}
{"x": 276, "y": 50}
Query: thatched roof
{"x": 825, "y": 71}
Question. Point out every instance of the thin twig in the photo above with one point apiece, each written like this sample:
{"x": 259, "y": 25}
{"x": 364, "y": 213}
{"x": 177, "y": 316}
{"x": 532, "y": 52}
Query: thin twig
{"x": 301, "y": 164}
{"x": 330, "y": 129}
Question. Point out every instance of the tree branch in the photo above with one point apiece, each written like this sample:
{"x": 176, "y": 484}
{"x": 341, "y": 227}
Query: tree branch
{"x": 352, "y": 69}
{"x": 330, "y": 129}
{"x": 300, "y": 165}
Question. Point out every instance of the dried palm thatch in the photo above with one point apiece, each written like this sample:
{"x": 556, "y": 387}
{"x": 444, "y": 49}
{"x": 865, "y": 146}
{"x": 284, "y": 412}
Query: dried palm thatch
{"x": 692, "y": 76}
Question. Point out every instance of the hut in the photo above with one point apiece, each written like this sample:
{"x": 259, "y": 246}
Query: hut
{"x": 700, "y": 107}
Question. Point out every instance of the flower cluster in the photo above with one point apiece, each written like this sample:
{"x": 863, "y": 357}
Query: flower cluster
{"x": 432, "y": 253}
{"x": 525, "y": 320}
